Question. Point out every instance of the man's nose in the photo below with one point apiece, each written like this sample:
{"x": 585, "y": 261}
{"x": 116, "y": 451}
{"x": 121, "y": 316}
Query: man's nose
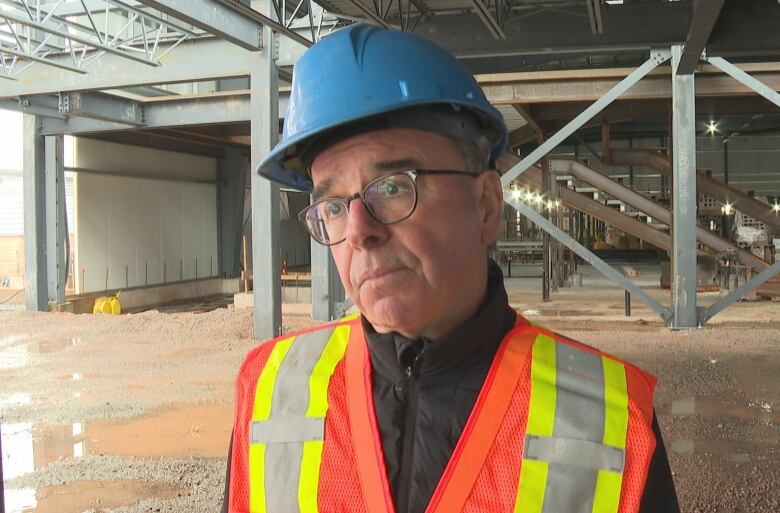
{"x": 362, "y": 229}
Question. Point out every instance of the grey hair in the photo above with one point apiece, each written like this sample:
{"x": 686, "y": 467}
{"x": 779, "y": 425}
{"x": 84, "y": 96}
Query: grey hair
{"x": 475, "y": 154}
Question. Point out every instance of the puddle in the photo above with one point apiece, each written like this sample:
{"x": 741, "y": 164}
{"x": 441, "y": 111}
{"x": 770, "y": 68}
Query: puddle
{"x": 757, "y": 411}
{"x": 20, "y": 399}
{"x": 14, "y": 355}
{"x": 79, "y": 496}
{"x": 179, "y": 431}
{"x": 176, "y": 431}
{"x": 52, "y": 346}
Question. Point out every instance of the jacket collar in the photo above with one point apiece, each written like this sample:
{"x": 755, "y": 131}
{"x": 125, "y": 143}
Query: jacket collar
{"x": 468, "y": 348}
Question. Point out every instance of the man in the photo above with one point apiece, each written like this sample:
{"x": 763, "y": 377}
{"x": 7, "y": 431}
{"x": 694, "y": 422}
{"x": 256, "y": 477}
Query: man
{"x": 438, "y": 396}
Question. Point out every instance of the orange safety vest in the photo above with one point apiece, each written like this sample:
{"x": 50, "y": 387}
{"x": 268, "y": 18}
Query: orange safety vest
{"x": 558, "y": 427}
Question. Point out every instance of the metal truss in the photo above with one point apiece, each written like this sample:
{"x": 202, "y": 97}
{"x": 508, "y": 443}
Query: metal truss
{"x": 407, "y": 13}
{"x": 493, "y": 14}
{"x": 32, "y": 33}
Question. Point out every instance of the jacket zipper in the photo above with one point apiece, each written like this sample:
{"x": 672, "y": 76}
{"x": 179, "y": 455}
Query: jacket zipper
{"x": 407, "y": 451}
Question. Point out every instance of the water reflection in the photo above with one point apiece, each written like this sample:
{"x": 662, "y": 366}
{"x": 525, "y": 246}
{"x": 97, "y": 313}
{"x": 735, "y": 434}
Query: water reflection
{"x": 760, "y": 411}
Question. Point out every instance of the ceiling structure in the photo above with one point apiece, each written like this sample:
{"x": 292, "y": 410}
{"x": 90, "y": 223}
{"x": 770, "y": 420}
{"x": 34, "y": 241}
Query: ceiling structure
{"x": 174, "y": 73}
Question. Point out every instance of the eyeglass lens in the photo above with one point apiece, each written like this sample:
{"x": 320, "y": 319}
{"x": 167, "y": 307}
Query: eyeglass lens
{"x": 388, "y": 199}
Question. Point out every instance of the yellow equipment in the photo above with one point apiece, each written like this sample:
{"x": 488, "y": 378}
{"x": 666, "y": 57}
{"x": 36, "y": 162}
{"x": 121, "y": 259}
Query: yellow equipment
{"x": 108, "y": 305}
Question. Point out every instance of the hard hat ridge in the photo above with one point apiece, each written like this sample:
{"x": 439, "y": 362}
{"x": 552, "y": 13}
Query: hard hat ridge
{"x": 356, "y": 78}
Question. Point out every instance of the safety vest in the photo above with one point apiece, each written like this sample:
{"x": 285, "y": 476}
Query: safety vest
{"x": 558, "y": 427}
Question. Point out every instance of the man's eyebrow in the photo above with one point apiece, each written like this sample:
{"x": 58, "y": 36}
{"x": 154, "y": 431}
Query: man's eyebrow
{"x": 395, "y": 164}
{"x": 322, "y": 189}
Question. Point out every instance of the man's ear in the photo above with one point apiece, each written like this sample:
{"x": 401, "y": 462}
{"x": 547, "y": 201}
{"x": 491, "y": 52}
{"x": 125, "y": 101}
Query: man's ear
{"x": 492, "y": 203}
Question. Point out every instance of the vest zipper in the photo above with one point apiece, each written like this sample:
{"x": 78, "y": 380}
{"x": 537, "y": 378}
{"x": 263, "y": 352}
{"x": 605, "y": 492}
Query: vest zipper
{"x": 407, "y": 451}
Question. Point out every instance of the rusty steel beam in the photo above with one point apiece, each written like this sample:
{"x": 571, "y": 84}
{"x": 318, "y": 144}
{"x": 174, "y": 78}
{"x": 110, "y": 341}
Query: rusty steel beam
{"x": 651, "y": 208}
{"x": 533, "y": 178}
{"x": 705, "y": 184}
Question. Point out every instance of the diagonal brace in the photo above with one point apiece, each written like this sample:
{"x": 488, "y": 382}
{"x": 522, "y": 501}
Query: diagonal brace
{"x": 737, "y": 294}
{"x": 588, "y": 256}
{"x": 745, "y": 79}
{"x": 656, "y": 57}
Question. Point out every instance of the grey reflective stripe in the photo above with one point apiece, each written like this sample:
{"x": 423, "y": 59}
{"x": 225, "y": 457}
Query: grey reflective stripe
{"x": 289, "y": 403}
{"x": 578, "y": 431}
{"x": 287, "y": 430}
{"x": 570, "y": 451}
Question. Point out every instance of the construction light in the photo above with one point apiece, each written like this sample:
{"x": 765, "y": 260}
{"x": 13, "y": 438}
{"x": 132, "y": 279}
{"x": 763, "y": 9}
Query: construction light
{"x": 557, "y": 203}
{"x": 516, "y": 193}
{"x": 776, "y": 208}
{"x": 549, "y": 205}
{"x": 727, "y": 209}
{"x": 712, "y": 128}
{"x": 529, "y": 196}
{"x": 538, "y": 199}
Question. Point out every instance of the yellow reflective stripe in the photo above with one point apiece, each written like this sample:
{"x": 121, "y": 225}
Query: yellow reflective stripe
{"x": 606, "y": 497}
{"x": 257, "y": 478}
{"x": 541, "y": 420}
{"x": 530, "y": 493}
{"x": 541, "y": 410}
{"x": 261, "y": 409}
{"x": 616, "y": 403}
{"x": 310, "y": 476}
{"x": 350, "y": 317}
{"x": 323, "y": 370}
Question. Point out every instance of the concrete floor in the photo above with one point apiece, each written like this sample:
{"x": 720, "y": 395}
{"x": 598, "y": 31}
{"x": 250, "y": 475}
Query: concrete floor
{"x": 133, "y": 413}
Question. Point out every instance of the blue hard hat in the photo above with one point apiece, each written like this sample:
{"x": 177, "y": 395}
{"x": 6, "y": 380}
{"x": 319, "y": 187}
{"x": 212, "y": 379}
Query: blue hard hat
{"x": 362, "y": 72}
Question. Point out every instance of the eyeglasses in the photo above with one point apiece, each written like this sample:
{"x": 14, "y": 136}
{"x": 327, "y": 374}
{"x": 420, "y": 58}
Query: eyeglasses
{"x": 389, "y": 199}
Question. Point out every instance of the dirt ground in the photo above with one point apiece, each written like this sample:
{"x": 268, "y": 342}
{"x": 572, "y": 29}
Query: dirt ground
{"x": 133, "y": 413}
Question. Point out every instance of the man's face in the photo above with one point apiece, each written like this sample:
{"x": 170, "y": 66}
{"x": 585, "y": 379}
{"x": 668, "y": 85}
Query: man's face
{"x": 425, "y": 275}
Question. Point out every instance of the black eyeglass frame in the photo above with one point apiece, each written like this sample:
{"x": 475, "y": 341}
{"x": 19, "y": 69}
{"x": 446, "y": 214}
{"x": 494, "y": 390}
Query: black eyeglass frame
{"x": 413, "y": 174}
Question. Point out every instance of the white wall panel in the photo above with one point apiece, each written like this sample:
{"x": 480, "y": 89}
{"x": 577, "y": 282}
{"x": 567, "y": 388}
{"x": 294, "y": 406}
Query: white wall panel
{"x": 143, "y": 231}
{"x": 170, "y": 234}
{"x": 147, "y": 222}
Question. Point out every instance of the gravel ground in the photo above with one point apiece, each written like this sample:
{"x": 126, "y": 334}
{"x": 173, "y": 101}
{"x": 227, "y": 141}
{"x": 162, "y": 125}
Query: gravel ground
{"x": 718, "y": 397}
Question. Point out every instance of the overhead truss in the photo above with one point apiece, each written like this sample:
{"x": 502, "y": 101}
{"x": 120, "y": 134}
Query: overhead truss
{"x": 32, "y": 32}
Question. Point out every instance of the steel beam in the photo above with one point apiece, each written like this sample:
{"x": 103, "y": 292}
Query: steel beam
{"x": 588, "y": 256}
{"x": 560, "y": 87}
{"x": 56, "y": 233}
{"x": 594, "y": 14}
{"x": 35, "y": 265}
{"x": 764, "y": 276}
{"x": 215, "y": 18}
{"x": 266, "y": 208}
{"x": 651, "y": 208}
{"x": 44, "y": 106}
{"x": 550, "y": 32}
{"x": 232, "y": 171}
{"x": 103, "y": 107}
{"x": 705, "y": 14}
{"x": 704, "y": 184}
{"x": 488, "y": 20}
{"x": 191, "y": 61}
{"x": 656, "y": 57}
{"x": 254, "y": 14}
{"x": 40, "y": 60}
{"x": 369, "y": 13}
{"x": 574, "y": 200}
{"x": 684, "y": 200}
{"x": 65, "y": 34}
{"x": 327, "y": 292}
{"x": 177, "y": 111}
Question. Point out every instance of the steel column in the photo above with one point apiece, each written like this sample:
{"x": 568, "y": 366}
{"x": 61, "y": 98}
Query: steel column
{"x": 232, "y": 172}
{"x": 327, "y": 291}
{"x": 56, "y": 247}
{"x": 34, "y": 215}
{"x": 684, "y": 199}
{"x": 266, "y": 237}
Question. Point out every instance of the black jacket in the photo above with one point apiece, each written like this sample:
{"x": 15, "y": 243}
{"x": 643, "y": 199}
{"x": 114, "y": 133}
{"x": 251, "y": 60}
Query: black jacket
{"x": 424, "y": 392}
